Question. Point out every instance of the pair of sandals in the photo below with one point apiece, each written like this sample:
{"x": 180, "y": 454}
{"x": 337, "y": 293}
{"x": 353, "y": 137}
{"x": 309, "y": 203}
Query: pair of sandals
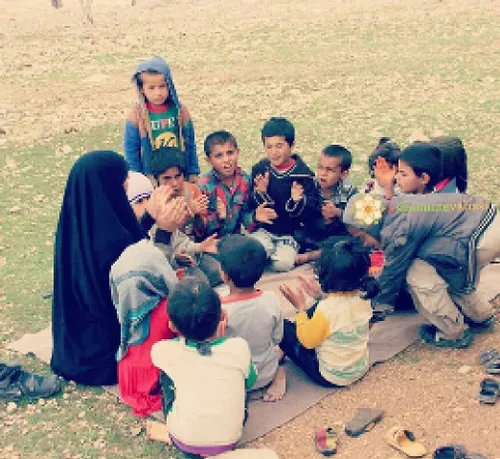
{"x": 326, "y": 439}
{"x": 490, "y": 388}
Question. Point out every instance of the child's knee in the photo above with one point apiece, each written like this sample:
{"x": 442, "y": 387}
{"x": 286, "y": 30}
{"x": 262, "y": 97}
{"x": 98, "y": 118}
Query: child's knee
{"x": 284, "y": 260}
{"x": 266, "y": 242}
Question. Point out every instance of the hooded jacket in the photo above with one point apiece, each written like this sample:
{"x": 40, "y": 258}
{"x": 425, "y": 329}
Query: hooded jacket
{"x": 441, "y": 229}
{"x": 138, "y": 141}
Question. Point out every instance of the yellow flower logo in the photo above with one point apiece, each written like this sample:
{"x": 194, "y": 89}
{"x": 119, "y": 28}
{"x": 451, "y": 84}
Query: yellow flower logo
{"x": 368, "y": 209}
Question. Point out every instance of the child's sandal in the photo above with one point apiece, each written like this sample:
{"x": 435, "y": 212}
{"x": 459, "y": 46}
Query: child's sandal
{"x": 326, "y": 440}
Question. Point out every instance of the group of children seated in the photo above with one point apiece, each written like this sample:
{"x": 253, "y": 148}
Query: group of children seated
{"x": 229, "y": 227}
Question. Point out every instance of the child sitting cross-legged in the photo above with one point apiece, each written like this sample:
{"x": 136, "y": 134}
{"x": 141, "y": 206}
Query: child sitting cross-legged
{"x": 330, "y": 340}
{"x": 208, "y": 372}
{"x": 285, "y": 183}
{"x": 253, "y": 314}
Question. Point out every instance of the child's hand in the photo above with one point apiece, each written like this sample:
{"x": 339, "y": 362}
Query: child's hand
{"x": 296, "y": 297}
{"x": 330, "y": 211}
{"x": 311, "y": 286}
{"x": 221, "y": 209}
{"x": 297, "y": 192}
{"x": 264, "y": 214}
{"x": 384, "y": 173}
{"x": 209, "y": 245}
{"x": 261, "y": 182}
{"x": 172, "y": 215}
{"x": 199, "y": 205}
{"x": 183, "y": 259}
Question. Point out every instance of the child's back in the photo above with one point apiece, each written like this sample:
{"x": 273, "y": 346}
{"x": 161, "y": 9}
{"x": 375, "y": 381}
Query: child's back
{"x": 258, "y": 319}
{"x": 343, "y": 355}
{"x": 253, "y": 314}
{"x": 209, "y": 390}
{"x": 208, "y": 371}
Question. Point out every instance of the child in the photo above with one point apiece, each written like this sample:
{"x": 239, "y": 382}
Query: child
{"x": 330, "y": 342}
{"x": 167, "y": 167}
{"x": 209, "y": 372}
{"x": 227, "y": 188}
{"x": 139, "y": 191}
{"x": 436, "y": 244}
{"x": 453, "y": 164}
{"x": 284, "y": 182}
{"x": 336, "y": 189}
{"x": 419, "y": 168}
{"x": 253, "y": 314}
{"x": 389, "y": 152}
{"x": 159, "y": 119}
{"x": 140, "y": 282}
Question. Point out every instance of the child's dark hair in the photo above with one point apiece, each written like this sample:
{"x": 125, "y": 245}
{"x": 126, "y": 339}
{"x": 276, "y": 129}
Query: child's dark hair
{"x": 194, "y": 308}
{"x": 218, "y": 138}
{"x": 242, "y": 258}
{"x": 453, "y": 160}
{"x": 386, "y": 149}
{"x": 338, "y": 151}
{"x": 423, "y": 158}
{"x": 164, "y": 158}
{"x": 343, "y": 267}
{"x": 279, "y": 127}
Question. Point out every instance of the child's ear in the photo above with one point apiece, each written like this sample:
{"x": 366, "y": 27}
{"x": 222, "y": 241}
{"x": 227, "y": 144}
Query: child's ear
{"x": 208, "y": 160}
{"x": 223, "y": 276}
{"x": 425, "y": 178}
{"x": 344, "y": 174}
{"x": 221, "y": 328}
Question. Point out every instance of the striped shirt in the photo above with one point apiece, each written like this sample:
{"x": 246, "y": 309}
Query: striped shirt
{"x": 338, "y": 331}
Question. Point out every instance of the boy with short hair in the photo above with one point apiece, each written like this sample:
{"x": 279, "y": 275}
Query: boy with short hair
{"x": 167, "y": 167}
{"x": 336, "y": 189}
{"x": 285, "y": 183}
{"x": 253, "y": 314}
{"x": 227, "y": 187}
{"x": 158, "y": 119}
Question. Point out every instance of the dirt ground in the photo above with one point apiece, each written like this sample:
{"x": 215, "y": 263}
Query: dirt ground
{"x": 61, "y": 75}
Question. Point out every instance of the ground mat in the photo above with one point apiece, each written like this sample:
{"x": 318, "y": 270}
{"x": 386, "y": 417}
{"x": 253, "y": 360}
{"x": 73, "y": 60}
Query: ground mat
{"x": 387, "y": 338}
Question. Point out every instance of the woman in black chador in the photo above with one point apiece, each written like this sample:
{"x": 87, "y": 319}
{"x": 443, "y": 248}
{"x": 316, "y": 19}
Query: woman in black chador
{"x": 96, "y": 224}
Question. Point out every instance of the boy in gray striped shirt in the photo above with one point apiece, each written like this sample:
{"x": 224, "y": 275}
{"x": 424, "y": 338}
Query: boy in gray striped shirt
{"x": 253, "y": 314}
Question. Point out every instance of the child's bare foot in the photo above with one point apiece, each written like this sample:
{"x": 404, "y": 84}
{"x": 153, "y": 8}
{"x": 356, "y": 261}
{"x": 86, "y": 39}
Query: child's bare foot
{"x": 276, "y": 391}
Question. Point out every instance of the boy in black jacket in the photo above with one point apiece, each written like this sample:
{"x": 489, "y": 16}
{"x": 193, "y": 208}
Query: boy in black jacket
{"x": 285, "y": 183}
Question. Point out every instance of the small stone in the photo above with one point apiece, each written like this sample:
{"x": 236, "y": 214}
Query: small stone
{"x": 81, "y": 414}
{"x": 464, "y": 369}
{"x": 11, "y": 407}
{"x": 41, "y": 402}
{"x": 15, "y": 210}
